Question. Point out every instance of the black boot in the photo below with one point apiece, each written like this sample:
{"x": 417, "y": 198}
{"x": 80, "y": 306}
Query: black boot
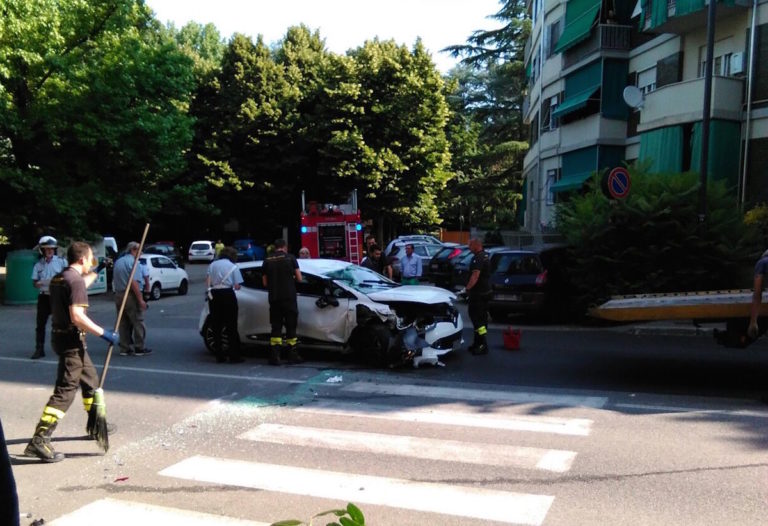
{"x": 274, "y": 355}
{"x": 293, "y": 356}
{"x": 40, "y": 445}
{"x": 39, "y": 353}
{"x": 480, "y": 346}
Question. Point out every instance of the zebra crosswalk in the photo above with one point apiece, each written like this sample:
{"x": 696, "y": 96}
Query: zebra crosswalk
{"x": 400, "y": 432}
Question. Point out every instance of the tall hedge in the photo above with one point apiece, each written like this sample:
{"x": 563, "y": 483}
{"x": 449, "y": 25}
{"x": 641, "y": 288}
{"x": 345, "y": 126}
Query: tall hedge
{"x": 652, "y": 241}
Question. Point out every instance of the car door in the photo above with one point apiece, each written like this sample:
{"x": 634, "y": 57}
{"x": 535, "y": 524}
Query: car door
{"x": 326, "y": 322}
{"x": 252, "y": 306}
{"x": 169, "y": 278}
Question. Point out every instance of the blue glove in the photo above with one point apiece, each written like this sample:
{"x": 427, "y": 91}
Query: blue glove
{"x": 111, "y": 337}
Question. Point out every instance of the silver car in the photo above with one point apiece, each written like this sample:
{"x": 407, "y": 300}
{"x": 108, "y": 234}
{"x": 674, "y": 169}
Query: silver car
{"x": 350, "y": 308}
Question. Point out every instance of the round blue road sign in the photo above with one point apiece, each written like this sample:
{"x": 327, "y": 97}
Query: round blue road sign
{"x": 618, "y": 183}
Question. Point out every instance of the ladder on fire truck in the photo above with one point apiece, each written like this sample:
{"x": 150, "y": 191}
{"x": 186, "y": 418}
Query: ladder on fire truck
{"x": 352, "y": 243}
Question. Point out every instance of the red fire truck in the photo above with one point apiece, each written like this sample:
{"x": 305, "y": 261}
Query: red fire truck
{"x": 332, "y": 231}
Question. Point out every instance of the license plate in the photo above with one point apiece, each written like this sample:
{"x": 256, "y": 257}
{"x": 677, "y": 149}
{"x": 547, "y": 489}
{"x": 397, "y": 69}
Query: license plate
{"x": 507, "y": 297}
{"x": 433, "y": 266}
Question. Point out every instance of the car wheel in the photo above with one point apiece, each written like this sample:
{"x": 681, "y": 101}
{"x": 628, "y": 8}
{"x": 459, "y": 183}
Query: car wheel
{"x": 208, "y": 337}
{"x": 183, "y": 287}
{"x": 156, "y": 292}
{"x": 373, "y": 344}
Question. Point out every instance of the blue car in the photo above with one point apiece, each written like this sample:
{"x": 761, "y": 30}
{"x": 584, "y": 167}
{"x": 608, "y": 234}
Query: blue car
{"x": 248, "y": 250}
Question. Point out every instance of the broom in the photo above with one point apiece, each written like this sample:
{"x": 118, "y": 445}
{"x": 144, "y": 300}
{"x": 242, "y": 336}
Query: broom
{"x": 97, "y": 415}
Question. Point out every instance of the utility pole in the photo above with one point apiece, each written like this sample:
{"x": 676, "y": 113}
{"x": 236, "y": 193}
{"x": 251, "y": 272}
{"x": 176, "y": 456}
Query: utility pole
{"x": 708, "y": 67}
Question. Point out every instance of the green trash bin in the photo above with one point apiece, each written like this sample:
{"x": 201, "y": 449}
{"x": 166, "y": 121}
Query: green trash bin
{"x": 18, "y": 277}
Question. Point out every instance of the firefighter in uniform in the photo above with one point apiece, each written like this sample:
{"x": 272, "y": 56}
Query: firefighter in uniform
{"x": 69, "y": 324}
{"x": 280, "y": 274}
{"x": 479, "y": 291}
{"x": 46, "y": 267}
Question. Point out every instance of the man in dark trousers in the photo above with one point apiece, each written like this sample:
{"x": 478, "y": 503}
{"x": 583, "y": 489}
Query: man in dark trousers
{"x": 280, "y": 274}
{"x": 222, "y": 280}
{"x": 479, "y": 291}
{"x": 69, "y": 322}
{"x": 48, "y": 266}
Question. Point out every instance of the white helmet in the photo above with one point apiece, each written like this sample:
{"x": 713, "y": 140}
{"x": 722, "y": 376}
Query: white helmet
{"x": 48, "y": 242}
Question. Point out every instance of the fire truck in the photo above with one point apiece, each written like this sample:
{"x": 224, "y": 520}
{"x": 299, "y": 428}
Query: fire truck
{"x": 332, "y": 231}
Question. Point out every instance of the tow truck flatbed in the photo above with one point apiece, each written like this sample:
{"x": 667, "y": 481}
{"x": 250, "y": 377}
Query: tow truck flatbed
{"x": 711, "y": 305}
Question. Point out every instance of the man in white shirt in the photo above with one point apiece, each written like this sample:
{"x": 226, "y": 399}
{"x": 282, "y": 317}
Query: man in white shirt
{"x": 410, "y": 267}
{"x": 47, "y": 267}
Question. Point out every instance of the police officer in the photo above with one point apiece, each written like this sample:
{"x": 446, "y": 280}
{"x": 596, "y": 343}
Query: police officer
{"x": 280, "y": 274}
{"x": 222, "y": 280}
{"x": 479, "y": 291}
{"x": 133, "y": 332}
{"x": 46, "y": 267}
{"x": 69, "y": 322}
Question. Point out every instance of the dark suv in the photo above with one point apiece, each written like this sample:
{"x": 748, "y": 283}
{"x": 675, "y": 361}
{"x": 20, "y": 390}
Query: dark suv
{"x": 531, "y": 280}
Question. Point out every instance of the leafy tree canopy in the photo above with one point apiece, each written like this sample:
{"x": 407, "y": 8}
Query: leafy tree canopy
{"x": 93, "y": 126}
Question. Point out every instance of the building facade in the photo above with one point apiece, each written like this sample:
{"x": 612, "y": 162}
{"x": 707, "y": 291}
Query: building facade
{"x": 582, "y": 56}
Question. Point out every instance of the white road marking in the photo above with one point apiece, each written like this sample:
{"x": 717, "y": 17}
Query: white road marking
{"x": 463, "y": 501}
{"x": 537, "y": 424}
{"x": 414, "y": 447}
{"x": 695, "y": 410}
{"x": 113, "y": 512}
{"x": 490, "y": 395}
{"x": 176, "y": 372}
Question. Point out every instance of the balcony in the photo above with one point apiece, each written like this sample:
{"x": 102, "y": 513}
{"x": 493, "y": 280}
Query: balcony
{"x": 592, "y": 130}
{"x": 684, "y": 16}
{"x": 607, "y": 37}
{"x": 682, "y": 102}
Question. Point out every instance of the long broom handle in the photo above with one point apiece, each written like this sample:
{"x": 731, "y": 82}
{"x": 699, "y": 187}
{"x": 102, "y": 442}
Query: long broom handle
{"x": 122, "y": 304}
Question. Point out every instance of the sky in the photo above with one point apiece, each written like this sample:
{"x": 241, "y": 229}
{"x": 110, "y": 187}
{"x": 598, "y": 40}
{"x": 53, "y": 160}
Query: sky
{"x": 344, "y": 24}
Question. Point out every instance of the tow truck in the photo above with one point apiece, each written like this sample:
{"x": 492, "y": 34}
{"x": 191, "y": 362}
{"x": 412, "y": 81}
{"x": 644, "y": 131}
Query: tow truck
{"x": 730, "y": 306}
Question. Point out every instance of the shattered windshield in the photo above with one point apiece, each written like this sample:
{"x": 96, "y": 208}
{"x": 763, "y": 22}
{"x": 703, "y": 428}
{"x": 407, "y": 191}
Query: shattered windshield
{"x": 362, "y": 279}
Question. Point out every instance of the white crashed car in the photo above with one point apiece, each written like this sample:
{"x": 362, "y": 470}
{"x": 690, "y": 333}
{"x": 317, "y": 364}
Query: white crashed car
{"x": 353, "y": 309}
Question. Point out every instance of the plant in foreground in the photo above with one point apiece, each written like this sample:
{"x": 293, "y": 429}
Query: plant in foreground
{"x": 351, "y": 516}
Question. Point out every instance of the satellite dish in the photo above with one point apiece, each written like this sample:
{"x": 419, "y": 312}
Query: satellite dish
{"x": 633, "y": 96}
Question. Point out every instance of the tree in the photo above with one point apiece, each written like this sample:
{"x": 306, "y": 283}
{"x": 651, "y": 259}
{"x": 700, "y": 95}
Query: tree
{"x": 93, "y": 124}
{"x": 402, "y": 156}
{"x": 486, "y": 96}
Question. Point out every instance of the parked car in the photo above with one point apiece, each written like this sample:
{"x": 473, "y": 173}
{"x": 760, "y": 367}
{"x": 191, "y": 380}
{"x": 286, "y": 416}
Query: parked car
{"x": 164, "y": 276}
{"x": 529, "y": 281}
{"x": 460, "y": 266}
{"x": 440, "y": 266}
{"x": 422, "y": 249}
{"x": 412, "y": 238}
{"x": 248, "y": 250}
{"x": 201, "y": 251}
{"x": 349, "y": 308}
{"x": 169, "y": 251}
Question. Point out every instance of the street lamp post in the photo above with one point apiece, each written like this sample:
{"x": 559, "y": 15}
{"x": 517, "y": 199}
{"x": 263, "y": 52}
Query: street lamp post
{"x": 705, "y": 118}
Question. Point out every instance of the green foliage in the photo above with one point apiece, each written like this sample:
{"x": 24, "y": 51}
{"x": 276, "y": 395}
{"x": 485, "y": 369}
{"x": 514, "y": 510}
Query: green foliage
{"x": 350, "y": 516}
{"x": 756, "y": 220}
{"x": 297, "y": 117}
{"x": 652, "y": 241}
{"x": 93, "y": 124}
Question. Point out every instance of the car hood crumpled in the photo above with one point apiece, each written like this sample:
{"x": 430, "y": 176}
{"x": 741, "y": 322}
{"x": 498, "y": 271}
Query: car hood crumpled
{"x": 414, "y": 293}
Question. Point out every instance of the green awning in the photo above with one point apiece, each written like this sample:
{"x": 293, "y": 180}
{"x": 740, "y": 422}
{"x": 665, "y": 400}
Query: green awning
{"x": 570, "y": 182}
{"x": 575, "y": 102}
{"x": 664, "y": 148}
{"x": 579, "y": 17}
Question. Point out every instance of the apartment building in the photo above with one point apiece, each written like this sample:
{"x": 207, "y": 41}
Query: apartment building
{"x": 583, "y": 54}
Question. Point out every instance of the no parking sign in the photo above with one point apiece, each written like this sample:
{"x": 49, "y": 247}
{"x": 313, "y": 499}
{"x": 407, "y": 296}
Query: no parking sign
{"x": 616, "y": 183}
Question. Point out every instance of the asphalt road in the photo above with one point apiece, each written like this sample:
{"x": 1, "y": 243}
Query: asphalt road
{"x": 579, "y": 426}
